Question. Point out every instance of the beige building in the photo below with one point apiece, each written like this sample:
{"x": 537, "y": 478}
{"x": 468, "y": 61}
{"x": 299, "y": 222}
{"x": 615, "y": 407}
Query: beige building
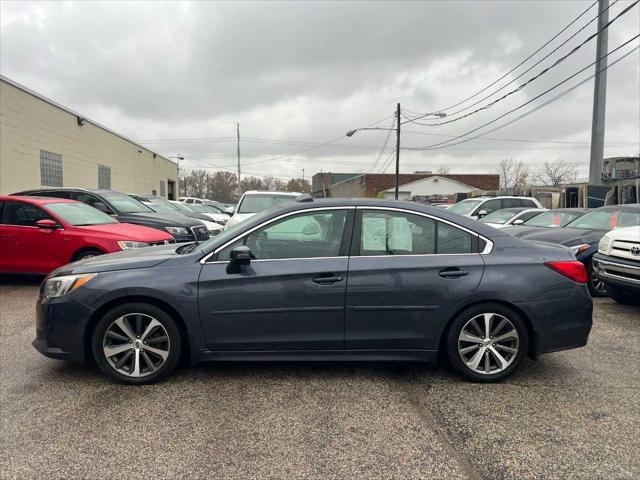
{"x": 45, "y": 144}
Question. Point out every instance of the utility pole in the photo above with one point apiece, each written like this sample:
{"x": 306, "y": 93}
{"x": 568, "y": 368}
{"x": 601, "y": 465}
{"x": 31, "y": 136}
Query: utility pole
{"x": 397, "y": 150}
{"x": 303, "y": 175}
{"x": 238, "y": 149}
{"x": 599, "y": 97}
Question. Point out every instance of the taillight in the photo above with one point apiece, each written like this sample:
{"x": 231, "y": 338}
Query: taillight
{"x": 572, "y": 269}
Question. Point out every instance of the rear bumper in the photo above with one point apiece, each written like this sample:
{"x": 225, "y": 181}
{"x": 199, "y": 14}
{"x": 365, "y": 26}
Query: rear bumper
{"x": 560, "y": 324}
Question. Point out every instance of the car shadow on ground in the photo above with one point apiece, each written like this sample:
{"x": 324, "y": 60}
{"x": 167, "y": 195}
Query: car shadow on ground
{"x": 17, "y": 280}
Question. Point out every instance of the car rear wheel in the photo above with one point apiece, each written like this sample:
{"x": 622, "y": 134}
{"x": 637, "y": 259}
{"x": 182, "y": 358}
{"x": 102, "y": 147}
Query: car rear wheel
{"x": 597, "y": 287}
{"x": 136, "y": 343}
{"x": 487, "y": 342}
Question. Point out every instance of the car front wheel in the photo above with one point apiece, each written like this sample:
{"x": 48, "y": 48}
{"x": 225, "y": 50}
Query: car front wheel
{"x": 487, "y": 342}
{"x": 136, "y": 343}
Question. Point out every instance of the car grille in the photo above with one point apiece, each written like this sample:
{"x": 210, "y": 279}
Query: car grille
{"x": 625, "y": 249}
{"x": 201, "y": 233}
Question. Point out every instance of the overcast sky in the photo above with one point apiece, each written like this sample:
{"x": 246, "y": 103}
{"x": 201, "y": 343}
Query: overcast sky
{"x": 178, "y": 76}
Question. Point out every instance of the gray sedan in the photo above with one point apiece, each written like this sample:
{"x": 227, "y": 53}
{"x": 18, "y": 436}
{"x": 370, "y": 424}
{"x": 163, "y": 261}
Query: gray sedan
{"x": 322, "y": 280}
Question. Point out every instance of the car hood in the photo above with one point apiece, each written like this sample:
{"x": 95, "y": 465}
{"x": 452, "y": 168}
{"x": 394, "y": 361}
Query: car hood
{"x": 162, "y": 219}
{"x": 567, "y": 236}
{"x": 125, "y": 260}
{"x": 128, "y": 231}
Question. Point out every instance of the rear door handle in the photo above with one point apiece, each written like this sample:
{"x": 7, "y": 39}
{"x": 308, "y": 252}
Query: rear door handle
{"x": 327, "y": 279}
{"x": 452, "y": 273}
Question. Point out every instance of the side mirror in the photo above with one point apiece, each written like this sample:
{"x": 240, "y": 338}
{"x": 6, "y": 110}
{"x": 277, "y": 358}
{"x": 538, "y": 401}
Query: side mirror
{"x": 481, "y": 213}
{"x": 46, "y": 224}
{"x": 241, "y": 255}
{"x": 229, "y": 210}
{"x": 519, "y": 221}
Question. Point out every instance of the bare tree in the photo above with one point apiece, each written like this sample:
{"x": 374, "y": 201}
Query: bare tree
{"x": 224, "y": 186}
{"x": 273, "y": 184}
{"x": 251, "y": 183}
{"x": 513, "y": 174}
{"x": 443, "y": 170}
{"x": 556, "y": 173}
{"x": 298, "y": 185}
{"x": 196, "y": 183}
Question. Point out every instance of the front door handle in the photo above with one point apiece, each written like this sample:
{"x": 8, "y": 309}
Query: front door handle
{"x": 329, "y": 279}
{"x": 452, "y": 273}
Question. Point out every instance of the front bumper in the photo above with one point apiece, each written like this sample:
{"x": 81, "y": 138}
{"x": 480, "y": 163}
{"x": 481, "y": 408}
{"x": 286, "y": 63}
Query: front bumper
{"x": 617, "y": 271}
{"x": 60, "y": 327}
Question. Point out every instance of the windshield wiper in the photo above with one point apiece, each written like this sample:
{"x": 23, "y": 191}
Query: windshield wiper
{"x": 188, "y": 248}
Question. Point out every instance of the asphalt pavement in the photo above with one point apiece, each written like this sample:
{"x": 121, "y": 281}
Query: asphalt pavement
{"x": 573, "y": 414}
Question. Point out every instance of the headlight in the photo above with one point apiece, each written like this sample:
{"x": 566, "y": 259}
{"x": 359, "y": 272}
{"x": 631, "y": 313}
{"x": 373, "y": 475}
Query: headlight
{"x": 129, "y": 244}
{"x": 222, "y": 221}
{"x": 177, "y": 230}
{"x": 603, "y": 246}
{"x": 58, "y": 286}
{"x": 577, "y": 249}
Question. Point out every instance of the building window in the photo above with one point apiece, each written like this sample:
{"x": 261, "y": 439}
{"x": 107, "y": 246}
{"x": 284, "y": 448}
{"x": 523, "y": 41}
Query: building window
{"x": 104, "y": 177}
{"x": 162, "y": 190}
{"x": 50, "y": 169}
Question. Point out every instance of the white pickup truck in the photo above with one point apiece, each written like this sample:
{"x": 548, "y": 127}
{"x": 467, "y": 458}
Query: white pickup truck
{"x": 617, "y": 263}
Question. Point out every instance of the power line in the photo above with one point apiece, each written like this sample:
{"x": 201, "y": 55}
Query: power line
{"x": 439, "y": 145}
{"x": 535, "y": 77}
{"x": 522, "y": 62}
{"x": 527, "y": 70}
{"x": 384, "y": 146}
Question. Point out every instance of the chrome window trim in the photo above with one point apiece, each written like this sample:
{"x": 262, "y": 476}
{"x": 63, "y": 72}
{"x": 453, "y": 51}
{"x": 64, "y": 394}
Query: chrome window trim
{"x": 282, "y": 259}
{"x": 487, "y": 249}
{"x": 284, "y": 215}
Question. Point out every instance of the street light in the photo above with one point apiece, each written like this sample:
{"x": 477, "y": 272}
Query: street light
{"x": 351, "y": 133}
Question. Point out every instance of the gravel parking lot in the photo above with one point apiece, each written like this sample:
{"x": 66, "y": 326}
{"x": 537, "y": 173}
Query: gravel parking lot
{"x": 572, "y": 414}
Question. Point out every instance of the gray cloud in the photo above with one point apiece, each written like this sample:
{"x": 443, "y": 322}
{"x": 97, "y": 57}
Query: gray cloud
{"x": 308, "y": 71}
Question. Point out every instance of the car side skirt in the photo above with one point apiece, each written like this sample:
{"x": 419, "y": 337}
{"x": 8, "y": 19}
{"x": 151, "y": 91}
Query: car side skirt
{"x": 429, "y": 356}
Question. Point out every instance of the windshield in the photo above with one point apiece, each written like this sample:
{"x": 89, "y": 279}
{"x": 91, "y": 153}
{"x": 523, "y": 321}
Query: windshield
{"x": 212, "y": 208}
{"x": 79, "y": 214}
{"x": 181, "y": 207}
{"x": 606, "y": 220}
{"x": 260, "y": 202}
{"x": 162, "y": 205}
{"x": 552, "y": 218}
{"x": 126, "y": 204}
{"x": 499, "y": 216}
{"x": 464, "y": 207}
{"x": 196, "y": 207}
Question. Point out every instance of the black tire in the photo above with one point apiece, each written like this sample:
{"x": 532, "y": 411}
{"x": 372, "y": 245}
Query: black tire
{"x": 452, "y": 342}
{"x": 147, "y": 311}
{"x": 86, "y": 254}
{"x": 593, "y": 283}
{"x": 623, "y": 296}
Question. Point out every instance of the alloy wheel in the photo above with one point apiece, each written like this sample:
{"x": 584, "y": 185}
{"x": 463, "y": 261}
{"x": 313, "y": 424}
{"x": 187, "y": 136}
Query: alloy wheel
{"x": 136, "y": 345}
{"x": 488, "y": 343}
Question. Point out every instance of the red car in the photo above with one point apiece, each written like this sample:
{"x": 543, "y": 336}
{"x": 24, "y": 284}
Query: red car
{"x": 39, "y": 234}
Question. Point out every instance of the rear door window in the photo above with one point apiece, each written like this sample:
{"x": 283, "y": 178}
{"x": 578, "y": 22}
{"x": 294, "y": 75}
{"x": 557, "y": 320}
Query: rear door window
{"x": 23, "y": 214}
{"x": 385, "y": 232}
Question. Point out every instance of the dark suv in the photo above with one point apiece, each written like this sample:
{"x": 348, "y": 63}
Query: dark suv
{"x": 128, "y": 210}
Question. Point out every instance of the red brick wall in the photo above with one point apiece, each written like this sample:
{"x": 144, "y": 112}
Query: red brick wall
{"x": 377, "y": 182}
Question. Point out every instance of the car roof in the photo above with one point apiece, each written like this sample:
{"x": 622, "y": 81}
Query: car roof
{"x": 515, "y": 209}
{"x": 38, "y": 200}
{"x": 628, "y": 207}
{"x": 98, "y": 191}
{"x": 267, "y": 192}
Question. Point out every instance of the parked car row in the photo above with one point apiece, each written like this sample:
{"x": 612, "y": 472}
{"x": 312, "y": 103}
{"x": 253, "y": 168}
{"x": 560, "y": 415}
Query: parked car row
{"x": 579, "y": 229}
{"x": 46, "y": 228}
